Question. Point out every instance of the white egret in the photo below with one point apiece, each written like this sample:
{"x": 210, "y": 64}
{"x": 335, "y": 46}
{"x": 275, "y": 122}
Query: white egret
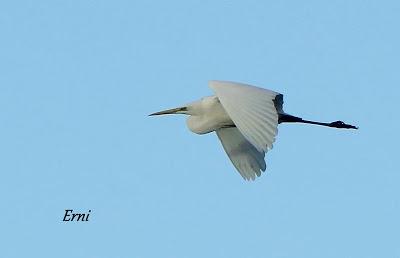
{"x": 245, "y": 119}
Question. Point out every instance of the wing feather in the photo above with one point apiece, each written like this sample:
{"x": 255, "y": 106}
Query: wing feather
{"x": 252, "y": 109}
{"x": 248, "y": 161}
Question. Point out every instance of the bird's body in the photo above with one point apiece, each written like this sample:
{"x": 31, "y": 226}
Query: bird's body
{"x": 245, "y": 119}
{"x": 209, "y": 117}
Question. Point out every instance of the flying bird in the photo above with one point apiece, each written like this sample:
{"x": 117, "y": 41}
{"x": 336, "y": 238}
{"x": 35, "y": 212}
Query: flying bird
{"x": 245, "y": 119}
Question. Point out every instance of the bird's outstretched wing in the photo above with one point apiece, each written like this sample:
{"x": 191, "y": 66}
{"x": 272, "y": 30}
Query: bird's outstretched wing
{"x": 252, "y": 109}
{"x": 244, "y": 156}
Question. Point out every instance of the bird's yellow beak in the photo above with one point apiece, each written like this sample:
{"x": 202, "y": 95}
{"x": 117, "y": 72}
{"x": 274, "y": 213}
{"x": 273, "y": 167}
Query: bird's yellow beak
{"x": 179, "y": 110}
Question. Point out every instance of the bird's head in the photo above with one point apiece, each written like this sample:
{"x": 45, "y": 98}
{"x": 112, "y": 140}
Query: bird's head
{"x": 178, "y": 110}
{"x": 188, "y": 109}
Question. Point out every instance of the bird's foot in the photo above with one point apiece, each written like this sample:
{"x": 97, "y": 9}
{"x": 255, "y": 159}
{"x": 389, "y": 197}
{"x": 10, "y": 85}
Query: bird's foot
{"x": 341, "y": 124}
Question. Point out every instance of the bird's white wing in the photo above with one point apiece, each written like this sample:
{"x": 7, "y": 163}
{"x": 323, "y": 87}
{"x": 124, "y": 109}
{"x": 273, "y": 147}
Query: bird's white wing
{"x": 252, "y": 109}
{"x": 244, "y": 156}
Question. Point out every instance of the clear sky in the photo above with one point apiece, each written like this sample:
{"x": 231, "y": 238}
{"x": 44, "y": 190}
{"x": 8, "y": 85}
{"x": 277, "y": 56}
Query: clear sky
{"x": 78, "y": 79}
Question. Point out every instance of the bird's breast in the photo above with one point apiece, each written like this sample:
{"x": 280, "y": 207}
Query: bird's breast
{"x": 212, "y": 118}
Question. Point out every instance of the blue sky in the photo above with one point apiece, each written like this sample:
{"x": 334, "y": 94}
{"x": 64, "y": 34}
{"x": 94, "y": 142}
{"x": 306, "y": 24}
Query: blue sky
{"x": 78, "y": 79}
